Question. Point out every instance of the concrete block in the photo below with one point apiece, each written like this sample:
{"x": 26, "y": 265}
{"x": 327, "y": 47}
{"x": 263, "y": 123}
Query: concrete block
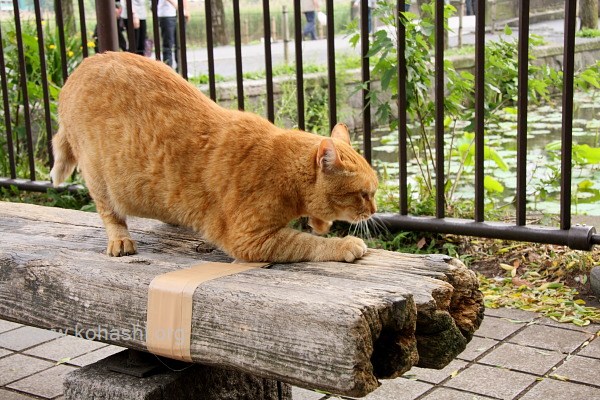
{"x": 551, "y": 338}
{"x": 18, "y": 366}
{"x": 554, "y": 389}
{"x": 525, "y": 359}
{"x": 27, "y": 336}
{"x": 498, "y": 328}
{"x": 64, "y": 347}
{"x": 491, "y": 381}
{"x": 96, "y": 381}
{"x": 47, "y": 384}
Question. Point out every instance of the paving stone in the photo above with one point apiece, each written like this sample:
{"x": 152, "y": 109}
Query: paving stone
{"x": 581, "y": 369}
{"x": 96, "y": 355}
{"x": 551, "y": 338}
{"x": 592, "y": 349}
{"x": 498, "y": 328}
{"x": 25, "y": 337}
{"x": 521, "y": 358}
{"x": 7, "y": 325}
{"x": 443, "y": 393}
{"x": 396, "y": 389}
{"x": 4, "y": 352}
{"x": 511, "y": 313}
{"x": 18, "y": 366}
{"x": 47, "y": 384}
{"x": 435, "y": 376}
{"x": 491, "y": 381}
{"x": 476, "y": 347}
{"x": 552, "y": 389}
{"x": 64, "y": 347}
{"x": 8, "y": 395}
{"x": 303, "y": 394}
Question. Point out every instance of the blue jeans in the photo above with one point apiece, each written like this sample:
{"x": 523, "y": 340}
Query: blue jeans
{"x": 310, "y": 27}
{"x": 168, "y": 33}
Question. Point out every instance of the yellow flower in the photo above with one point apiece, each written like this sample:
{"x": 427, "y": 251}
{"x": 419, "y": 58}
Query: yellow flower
{"x": 52, "y": 47}
{"x": 90, "y": 44}
{"x": 70, "y": 53}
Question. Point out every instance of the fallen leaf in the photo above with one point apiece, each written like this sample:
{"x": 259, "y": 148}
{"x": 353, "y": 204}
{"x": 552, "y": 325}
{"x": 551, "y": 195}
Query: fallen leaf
{"x": 421, "y": 243}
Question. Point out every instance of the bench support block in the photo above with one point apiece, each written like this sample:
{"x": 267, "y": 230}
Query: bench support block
{"x": 97, "y": 381}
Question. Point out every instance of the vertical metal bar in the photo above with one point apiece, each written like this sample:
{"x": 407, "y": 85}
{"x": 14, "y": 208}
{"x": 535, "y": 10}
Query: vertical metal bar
{"x": 268, "y": 61}
{"x": 155, "y": 29}
{"x": 402, "y": 106}
{"x": 107, "y": 26}
{"x": 331, "y": 65}
{"x": 212, "y": 86}
{"x": 567, "y": 114}
{"x": 83, "y": 28}
{"x": 439, "y": 108}
{"x": 23, "y": 83}
{"x": 60, "y": 24}
{"x": 239, "y": 73}
{"x": 182, "y": 47}
{"x": 129, "y": 25}
{"x": 365, "y": 77}
{"x": 522, "y": 102}
{"x": 299, "y": 64}
{"x": 44, "y": 76}
{"x": 479, "y": 109}
{"x": 6, "y": 104}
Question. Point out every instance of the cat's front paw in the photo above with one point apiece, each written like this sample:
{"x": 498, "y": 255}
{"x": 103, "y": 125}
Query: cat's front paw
{"x": 121, "y": 247}
{"x": 350, "y": 248}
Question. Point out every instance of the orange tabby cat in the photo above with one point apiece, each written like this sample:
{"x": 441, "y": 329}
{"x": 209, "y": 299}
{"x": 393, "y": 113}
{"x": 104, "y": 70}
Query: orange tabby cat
{"x": 150, "y": 144}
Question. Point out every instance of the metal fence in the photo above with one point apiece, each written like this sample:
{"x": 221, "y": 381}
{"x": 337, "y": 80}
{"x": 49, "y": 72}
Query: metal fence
{"x": 575, "y": 236}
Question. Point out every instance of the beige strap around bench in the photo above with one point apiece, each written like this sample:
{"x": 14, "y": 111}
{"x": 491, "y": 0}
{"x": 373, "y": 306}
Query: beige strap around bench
{"x": 169, "y": 318}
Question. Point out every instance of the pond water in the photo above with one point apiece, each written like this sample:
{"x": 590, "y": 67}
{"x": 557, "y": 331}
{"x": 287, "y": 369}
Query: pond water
{"x": 543, "y": 158}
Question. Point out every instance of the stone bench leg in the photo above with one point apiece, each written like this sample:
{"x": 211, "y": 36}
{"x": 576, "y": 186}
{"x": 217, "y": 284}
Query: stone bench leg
{"x": 98, "y": 381}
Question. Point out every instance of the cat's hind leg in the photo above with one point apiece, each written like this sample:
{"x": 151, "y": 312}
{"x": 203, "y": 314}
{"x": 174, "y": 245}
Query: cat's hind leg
{"x": 119, "y": 239}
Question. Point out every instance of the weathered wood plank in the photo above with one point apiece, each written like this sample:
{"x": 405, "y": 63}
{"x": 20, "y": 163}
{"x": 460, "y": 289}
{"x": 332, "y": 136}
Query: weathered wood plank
{"x": 333, "y": 326}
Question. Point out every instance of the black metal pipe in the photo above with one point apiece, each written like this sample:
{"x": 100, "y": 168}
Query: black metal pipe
{"x": 6, "y": 104}
{"x": 44, "y": 76}
{"x": 24, "y": 90}
{"x": 331, "y": 66}
{"x": 579, "y": 237}
{"x": 129, "y": 26}
{"x": 522, "y": 102}
{"x": 62, "y": 46}
{"x": 567, "y": 114}
{"x": 299, "y": 64}
{"x": 366, "y": 78}
{"x": 402, "y": 106}
{"x": 239, "y": 73}
{"x": 107, "y": 26}
{"x": 212, "y": 85}
{"x": 38, "y": 186}
{"x": 479, "y": 110}
{"x": 83, "y": 29}
{"x": 181, "y": 42}
{"x": 268, "y": 61}
{"x": 155, "y": 29}
{"x": 440, "y": 206}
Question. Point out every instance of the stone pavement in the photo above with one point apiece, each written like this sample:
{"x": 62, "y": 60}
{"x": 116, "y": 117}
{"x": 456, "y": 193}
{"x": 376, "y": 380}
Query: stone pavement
{"x": 514, "y": 355}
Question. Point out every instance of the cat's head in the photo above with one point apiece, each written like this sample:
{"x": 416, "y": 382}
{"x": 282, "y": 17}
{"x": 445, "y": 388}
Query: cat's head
{"x": 346, "y": 183}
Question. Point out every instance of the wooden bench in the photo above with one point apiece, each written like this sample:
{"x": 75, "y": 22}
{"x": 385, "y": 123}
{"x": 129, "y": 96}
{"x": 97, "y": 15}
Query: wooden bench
{"x": 331, "y": 326}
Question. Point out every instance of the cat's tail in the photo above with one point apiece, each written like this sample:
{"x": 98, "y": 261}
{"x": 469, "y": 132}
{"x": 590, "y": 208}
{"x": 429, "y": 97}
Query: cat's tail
{"x": 64, "y": 159}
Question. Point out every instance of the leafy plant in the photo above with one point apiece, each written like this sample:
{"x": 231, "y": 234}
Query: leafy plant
{"x": 500, "y": 95}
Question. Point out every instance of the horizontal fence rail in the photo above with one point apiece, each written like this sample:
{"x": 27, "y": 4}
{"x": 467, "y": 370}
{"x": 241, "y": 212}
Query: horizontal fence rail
{"x": 60, "y": 51}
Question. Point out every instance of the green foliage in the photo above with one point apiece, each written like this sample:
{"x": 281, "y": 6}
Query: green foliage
{"x": 80, "y": 200}
{"x": 588, "y": 33}
{"x": 34, "y": 75}
{"x": 500, "y": 95}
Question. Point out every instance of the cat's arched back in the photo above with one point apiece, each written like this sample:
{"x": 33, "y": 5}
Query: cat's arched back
{"x": 150, "y": 144}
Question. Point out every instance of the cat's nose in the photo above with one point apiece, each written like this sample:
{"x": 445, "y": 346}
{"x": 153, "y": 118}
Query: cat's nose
{"x": 373, "y": 207}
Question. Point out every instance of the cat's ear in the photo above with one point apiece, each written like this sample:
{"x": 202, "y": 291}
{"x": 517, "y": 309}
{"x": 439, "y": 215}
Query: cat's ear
{"x": 328, "y": 158}
{"x": 340, "y": 131}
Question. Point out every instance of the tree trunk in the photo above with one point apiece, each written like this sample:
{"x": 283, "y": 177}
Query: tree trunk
{"x": 218, "y": 23}
{"x": 588, "y": 11}
{"x": 68, "y": 13}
